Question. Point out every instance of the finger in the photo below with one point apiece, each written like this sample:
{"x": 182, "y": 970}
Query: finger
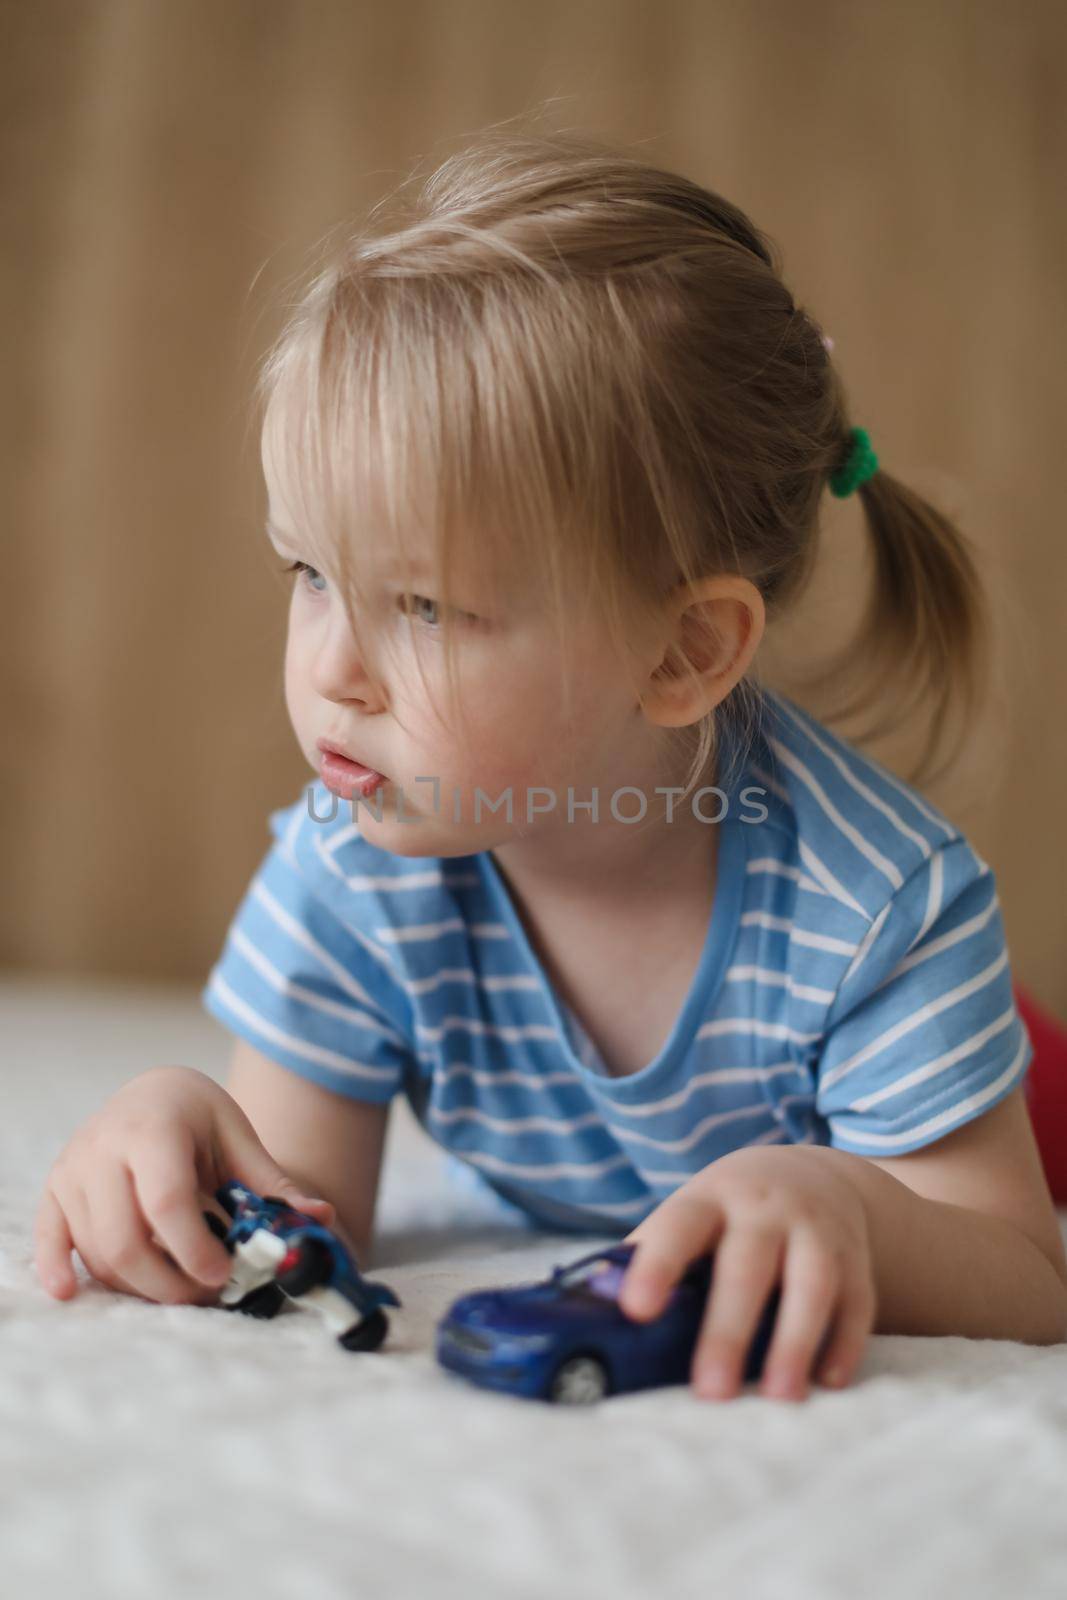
{"x": 121, "y": 1239}
{"x": 747, "y": 1267}
{"x": 167, "y": 1188}
{"x": 252, "y": 1164}
{"x": 52, "y": 1247}
{"x": 849, "y": 1334}
{"x": 678, "y": 1231}
{"x": 81, "y": 1231}
{"x": 812, "y": 1282}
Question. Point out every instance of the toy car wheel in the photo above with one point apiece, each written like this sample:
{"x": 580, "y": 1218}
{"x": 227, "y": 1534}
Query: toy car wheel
{"x": 312, "y": 1267}
{"x": 579, "y": 1381}
{"x": 366, "y": 1335}
{"x": 266, "y": 1301}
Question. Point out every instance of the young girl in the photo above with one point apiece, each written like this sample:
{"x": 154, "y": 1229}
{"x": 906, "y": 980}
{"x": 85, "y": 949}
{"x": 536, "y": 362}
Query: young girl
{"x": 650, "y": 950}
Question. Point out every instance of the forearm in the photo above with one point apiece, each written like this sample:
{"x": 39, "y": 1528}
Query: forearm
{"x": 330, "y": 1145}
{"x": 945, "y": 1269}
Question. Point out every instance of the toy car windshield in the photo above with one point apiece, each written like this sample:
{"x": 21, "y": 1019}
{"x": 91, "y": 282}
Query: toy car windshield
{"x": 602, "y": 1277}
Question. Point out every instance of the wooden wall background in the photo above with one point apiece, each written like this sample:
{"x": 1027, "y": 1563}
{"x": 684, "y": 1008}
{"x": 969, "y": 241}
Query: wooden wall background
{"x": 167, "y": 167}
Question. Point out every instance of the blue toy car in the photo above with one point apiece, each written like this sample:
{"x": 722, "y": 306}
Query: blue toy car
{"x": 566, "y": 1338}
{"x": 281, "y": 1254}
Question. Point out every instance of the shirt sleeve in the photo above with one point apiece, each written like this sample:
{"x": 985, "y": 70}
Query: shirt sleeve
{"x": 923, "y": 1034}
{"x": 306, "y": 989}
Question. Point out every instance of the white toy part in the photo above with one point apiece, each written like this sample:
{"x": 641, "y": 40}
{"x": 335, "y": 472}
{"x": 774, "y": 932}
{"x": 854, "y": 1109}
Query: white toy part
{"x": 339, "y": 1314}
{"x": 255, "y": 1261}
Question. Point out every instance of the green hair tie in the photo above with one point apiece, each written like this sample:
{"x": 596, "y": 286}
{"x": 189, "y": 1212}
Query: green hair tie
{"x": 862, "y": 463}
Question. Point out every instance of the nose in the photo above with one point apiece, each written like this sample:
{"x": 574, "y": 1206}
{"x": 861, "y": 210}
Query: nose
{"x": 339, "y": 668}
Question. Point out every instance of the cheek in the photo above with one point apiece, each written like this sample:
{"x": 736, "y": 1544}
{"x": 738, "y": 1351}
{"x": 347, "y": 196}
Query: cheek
{"x": 295, "y": 679}
{"x": 516, "y": 735}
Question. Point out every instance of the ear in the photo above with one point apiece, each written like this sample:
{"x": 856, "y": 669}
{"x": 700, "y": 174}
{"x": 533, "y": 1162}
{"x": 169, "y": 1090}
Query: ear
{"x": 714, "y": 625}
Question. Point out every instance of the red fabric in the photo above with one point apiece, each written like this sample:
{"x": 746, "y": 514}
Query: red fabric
{"x": 1046, "y": 1090}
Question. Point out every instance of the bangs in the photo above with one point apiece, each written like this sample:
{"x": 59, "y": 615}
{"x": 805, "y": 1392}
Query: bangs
{"x": 437, "y": 414}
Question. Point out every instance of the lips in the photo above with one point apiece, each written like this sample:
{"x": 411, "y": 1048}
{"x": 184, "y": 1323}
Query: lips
{"x": 345, "y": 775}
{"x": 327, "y": 747}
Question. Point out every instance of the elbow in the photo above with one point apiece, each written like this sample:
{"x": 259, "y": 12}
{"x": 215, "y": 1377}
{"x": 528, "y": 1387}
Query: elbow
{"x": 1052, "y": 1323}
{"x": 1060, "y": 1323}
{"x": 1052, "y": 1320}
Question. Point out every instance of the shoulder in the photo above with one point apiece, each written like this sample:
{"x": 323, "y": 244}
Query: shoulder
{"x": 854, "y": 829}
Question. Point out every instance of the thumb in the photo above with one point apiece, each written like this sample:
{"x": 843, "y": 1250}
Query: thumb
{"x": 246, "y": 1158}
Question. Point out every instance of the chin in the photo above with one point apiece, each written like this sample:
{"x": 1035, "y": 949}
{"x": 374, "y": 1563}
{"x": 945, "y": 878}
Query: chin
{"x": 427, "y": 836}
{"x": 414, "y": 838}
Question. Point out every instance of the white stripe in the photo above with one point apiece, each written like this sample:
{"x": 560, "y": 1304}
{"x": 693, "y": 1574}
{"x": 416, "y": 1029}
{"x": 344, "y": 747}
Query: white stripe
{"x": 423, "y": 931}
{"x": 595, "y": 1208}
{"x": 308, "y": 997}
{"x": 495, "y": 1030}
{"x": 887, "y": 777}
{"x": 944, "y": 941}
{"x": 799, "y": 991}
{"x": 916, "y": 1019}
{"x": 559, "y": 1169}
{"x": 373, "y": 949}
{"x": 763, "y": 1030}
{"x": 299, "y": 1047}
{"x": 801, "y": 936}
{"x": 808, "y": 727}
{"x": 490, "y": 1080}
{"x": 721, "y": 1075}
{"x": 931, "y": 1068}
{"x": 822, "y": 873}
{"x": 371, "y": 883}
{"x": 784, "y": 870}
{"x": 888, "y": 868}
{"x": 288, "y": 841}
{"x": 378, "y": 883}
{"x": 538, "y": 1082}
{"x": 514, "y": 1125}
{"x": 935, "y": 891}
{"x": 299, "y": 934}
{"x": 933, "y": 1126}
{"x": 468, "y": 975}
{"x": 342, "y": 837}
{"x": 716, "y": 1120}
{"x": 909, "y": 794}
{"x": 865, "y": 944}
{"x": 621, "y": 1208}
{"x": 774, "y": 1135}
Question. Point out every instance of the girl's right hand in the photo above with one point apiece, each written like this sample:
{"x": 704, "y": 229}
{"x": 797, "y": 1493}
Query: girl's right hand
{"x": 129, "y": 1189}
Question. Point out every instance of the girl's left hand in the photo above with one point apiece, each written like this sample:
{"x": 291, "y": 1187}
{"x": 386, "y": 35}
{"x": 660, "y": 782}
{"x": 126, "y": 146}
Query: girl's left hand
{"x": 784, "y": 1215}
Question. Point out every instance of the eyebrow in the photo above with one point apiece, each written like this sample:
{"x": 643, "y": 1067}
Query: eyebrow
{"x": 393, "y": 569}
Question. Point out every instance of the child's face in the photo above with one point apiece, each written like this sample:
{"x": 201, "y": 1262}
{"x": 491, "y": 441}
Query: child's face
{"x": 508, "y": 679}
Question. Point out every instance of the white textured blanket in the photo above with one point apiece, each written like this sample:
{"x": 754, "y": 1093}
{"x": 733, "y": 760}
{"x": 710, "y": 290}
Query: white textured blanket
{"x": 159, "y": 1452}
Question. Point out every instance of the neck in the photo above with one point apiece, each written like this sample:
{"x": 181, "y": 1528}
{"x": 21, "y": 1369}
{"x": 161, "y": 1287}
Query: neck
{"x": 607, "y": 862}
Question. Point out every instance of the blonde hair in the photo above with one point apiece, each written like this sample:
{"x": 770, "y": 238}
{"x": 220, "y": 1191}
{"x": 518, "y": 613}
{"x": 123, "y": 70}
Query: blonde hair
{"x": 592, "y": 367}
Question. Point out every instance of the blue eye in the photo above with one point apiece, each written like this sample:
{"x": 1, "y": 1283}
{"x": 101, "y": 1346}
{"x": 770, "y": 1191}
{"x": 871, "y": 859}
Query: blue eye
{"x": 416, "y": 599}
{"x": 434, "y": 623}
{"x": 416, "y": 605}
{"x": 309, "y": 572}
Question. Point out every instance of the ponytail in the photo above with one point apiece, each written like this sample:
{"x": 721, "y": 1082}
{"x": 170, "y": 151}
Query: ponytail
{"x": 922, "y": 647}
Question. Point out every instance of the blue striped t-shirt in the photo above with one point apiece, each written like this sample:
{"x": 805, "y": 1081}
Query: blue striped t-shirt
{"x": 853, "y": 990}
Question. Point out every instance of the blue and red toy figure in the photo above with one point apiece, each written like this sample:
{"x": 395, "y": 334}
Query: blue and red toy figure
{"x": 282, "y": 1254}
{"x": 567, "y": 1339}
